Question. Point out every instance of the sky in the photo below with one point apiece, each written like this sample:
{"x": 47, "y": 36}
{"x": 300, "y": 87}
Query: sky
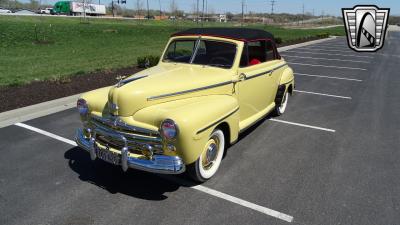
{"x": 281, "y": 6}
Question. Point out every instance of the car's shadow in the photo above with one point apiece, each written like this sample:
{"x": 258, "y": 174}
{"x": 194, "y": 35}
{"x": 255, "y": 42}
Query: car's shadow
{"x": 134, "y": 183}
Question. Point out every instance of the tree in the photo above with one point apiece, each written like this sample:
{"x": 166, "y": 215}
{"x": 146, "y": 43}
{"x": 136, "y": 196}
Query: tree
{"x": 33, "y": 4}
{"x": 229, "y": 16}
{"x": 173, "y": 7}
{"x": 139, "y": 7}
{"x": 4, "y": 3}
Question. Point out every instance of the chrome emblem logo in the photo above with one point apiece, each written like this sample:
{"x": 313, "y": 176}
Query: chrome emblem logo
{"x": 366, "y": 27}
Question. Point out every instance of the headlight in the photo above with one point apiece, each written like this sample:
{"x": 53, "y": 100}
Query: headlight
{"x": 169, "y": 129}
{"x": 83, "y": 107}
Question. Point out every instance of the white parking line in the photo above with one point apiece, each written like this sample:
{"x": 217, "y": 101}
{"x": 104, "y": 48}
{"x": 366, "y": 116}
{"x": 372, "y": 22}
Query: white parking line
{"x": 321, "y": 53}
{"x": 215, "y": 193}
{"x": 329, "y": 77}
{"x": 231, "y": 198}
{"x": 309, "y": 57}
{"x": 328, "y": 66}
{"x": 322, "y": 94}
{"x": 54, "y": 136}
{"x": 303, "y": 125}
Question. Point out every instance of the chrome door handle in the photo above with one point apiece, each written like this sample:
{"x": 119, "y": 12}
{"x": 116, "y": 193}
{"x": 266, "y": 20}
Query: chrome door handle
{"x": 242, "y": 77}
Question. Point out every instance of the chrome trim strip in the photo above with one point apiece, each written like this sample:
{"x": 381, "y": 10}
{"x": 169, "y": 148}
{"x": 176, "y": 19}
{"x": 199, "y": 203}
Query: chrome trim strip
{"x": 188, "y": 91}
{"x": 117, "y": 123}
{"x": 215, "y": 123}
{"x": 266, "y": 72}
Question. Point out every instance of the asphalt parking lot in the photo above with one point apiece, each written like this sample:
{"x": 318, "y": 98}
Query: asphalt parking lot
{"x": 332, "y": 158}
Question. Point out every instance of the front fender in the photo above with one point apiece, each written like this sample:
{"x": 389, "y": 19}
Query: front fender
{"x": 196, "y": 118}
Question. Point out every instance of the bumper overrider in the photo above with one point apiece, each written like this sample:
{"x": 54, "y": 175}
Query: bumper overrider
{"x": 155, "y": 163}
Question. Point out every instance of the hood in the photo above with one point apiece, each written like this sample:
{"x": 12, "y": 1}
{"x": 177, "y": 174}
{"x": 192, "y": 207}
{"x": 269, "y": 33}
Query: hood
{"x": 167, "y": 82}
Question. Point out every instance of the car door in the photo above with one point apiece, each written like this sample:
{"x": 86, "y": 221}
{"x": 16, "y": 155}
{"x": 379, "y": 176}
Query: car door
{"x": 258, "y": 81}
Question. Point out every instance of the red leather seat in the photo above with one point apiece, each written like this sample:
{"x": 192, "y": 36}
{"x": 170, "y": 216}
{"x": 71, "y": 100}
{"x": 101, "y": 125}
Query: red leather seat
{"x": 254, "y": 62}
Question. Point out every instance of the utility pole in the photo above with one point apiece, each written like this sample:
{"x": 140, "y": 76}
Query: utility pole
{"x": 242, "y": 12}
{"x": 197, "y": 12}
{"x": 148, "y": 12}
{"x": 207, "y": 9}
{"x": 159, "y": 2}
{"x": 112, "y": 7}
{"x": 302, "y": 18}
{"x": 272, "y": 6}
{"x": 202, "y": 15}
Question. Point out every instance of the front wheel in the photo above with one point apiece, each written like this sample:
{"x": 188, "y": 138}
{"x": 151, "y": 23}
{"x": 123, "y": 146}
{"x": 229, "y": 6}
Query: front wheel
{"x": 210, "y": 158}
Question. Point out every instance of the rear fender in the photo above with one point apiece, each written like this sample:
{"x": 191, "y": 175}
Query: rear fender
{"x": 287, "y": 79}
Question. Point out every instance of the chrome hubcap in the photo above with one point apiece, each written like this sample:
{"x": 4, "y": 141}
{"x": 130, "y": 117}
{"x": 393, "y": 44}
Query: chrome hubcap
{"x": 210, "y": 153}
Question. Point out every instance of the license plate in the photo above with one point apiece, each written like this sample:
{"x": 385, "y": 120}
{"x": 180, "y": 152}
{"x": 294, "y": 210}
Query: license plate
{"x": 108, "y": 156}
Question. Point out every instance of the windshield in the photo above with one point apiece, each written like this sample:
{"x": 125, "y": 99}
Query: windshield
{"x": 201, "y": 52}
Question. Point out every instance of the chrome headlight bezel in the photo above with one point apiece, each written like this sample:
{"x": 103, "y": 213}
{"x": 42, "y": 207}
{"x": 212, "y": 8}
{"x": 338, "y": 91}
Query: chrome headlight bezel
{"x": 83, "y": 107}
{"x": 169, "y": 130}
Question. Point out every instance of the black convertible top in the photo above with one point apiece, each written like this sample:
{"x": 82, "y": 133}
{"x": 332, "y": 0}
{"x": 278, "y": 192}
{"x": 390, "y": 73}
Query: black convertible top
{"x": 243, "y": 34}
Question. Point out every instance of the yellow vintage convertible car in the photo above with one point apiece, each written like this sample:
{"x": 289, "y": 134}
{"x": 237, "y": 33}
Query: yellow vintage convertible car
{"x": 209, "y": 85}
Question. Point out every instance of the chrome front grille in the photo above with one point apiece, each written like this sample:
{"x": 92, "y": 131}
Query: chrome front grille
{"x": 114, "y": 133}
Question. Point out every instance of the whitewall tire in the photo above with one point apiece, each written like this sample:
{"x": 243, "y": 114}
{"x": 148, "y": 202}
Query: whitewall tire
{"x": 210, "y": 158}
{"x": 280, "y": 109}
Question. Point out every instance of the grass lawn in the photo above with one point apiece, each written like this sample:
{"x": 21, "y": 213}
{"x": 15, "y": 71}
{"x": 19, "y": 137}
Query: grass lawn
{"x": 68, "y": 47}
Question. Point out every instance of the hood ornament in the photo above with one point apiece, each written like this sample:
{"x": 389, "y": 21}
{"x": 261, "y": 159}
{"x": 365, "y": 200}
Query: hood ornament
{"x": 120, "y": 80}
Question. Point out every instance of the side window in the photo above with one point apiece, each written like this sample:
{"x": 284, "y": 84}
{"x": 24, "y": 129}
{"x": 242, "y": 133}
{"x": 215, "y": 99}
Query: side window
{"x": 256, "y": 52}
{"x": 269, "y": 50}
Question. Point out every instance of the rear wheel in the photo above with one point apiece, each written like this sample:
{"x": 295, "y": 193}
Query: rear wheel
{"x": 280, "y": 108}
{"x": 210, "y": 159}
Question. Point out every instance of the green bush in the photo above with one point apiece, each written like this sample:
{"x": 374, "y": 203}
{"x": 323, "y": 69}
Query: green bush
{"x": 147, "y": 61}
{"x": 323, "y": 35}
{"x": 278, "y": 40}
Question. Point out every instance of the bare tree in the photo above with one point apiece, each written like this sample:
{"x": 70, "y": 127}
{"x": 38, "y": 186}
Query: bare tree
{"x": 139, "y": 7}
{"x": 33, "y": 4}
{"x": 173, "y": 7}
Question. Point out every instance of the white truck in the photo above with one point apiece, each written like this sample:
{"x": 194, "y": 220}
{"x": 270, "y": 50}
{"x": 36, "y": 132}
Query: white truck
{"x": 46, "y": 11}
{"x": 78, "y": 8}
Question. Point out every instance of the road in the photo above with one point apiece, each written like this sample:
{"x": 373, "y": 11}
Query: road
{"x": 332, "y": 158}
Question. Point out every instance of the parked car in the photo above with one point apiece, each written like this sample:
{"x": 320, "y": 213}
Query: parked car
{"x": 5, "y": 10}
{"x": 149, "y": 17}
{"x": 181, "y": 115}
{"x": 46, "y": 11}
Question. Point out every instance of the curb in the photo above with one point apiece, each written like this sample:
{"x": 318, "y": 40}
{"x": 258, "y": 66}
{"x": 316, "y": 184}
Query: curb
{"x": 285, "y": 48}
{"x": 38, "y": 110}
{"x": 46, "y": 108}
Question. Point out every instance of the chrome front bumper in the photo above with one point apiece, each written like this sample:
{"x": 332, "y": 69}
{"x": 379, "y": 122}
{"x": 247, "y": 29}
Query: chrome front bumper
{"x": 158, "y": 164}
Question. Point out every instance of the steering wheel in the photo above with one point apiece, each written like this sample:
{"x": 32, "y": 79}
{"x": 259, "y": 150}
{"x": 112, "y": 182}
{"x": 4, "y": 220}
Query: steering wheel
{"x": 220, "y": 60}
